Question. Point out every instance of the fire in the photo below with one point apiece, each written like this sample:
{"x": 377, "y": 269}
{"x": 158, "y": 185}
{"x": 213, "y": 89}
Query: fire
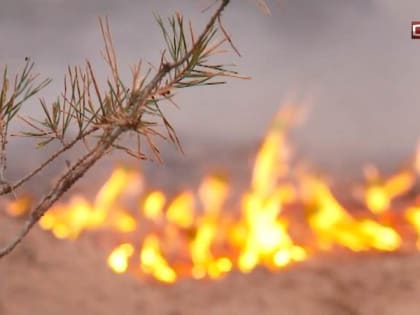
{"x": 118, "y": 259}
{"x": 413, "y": 216}
{"x": 272, "y": 160}
{"x": 334, "y": 225}
{"x": 266, "y": 240}
{"x": 202, "y": 233}
{"x": 380, "y": 192}
{"x": 213, "y": 193}
{"x": 181, "y": 210}
{"x": 18, "y": 207}
{"x": 69, "y": 220}
{"x": 153, "y": 205}
{"x": 153, "y": 263}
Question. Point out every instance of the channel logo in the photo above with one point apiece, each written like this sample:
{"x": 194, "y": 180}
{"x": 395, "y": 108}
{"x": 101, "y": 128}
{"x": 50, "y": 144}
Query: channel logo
{"x": 415, "y": 30}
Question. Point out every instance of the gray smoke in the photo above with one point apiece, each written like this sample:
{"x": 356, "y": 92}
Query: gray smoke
{"x": 354, "y": 59}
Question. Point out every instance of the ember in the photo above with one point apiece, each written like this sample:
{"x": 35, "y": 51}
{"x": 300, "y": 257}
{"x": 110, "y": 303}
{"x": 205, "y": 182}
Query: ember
{"x": 197, "y": 234}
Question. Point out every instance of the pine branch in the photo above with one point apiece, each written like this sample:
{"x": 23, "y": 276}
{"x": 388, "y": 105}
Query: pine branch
{"x": 117, "y": 110}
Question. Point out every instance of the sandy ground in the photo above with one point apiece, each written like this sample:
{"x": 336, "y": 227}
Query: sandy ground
{"x": 48, "y": 276}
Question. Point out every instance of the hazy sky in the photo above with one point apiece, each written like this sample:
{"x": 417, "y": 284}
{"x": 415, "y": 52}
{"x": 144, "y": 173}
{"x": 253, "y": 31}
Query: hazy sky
{"x": 354, "y": 59}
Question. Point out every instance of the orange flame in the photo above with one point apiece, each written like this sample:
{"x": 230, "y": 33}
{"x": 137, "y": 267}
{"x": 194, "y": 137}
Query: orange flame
{"x": 68, "y": 221}
{"x": 379, "y": 192}
{"x": 18, "y": 207}
{"x": 196, "y": 234}
{"x": 153, "y": 263}
{"x": 334, "y": 225}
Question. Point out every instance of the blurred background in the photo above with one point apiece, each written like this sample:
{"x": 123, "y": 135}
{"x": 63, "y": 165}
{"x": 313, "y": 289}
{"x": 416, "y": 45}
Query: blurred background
{"x": 352, "y": 61}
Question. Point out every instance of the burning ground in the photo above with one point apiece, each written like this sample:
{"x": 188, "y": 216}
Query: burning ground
{"x": 285, "y": 244}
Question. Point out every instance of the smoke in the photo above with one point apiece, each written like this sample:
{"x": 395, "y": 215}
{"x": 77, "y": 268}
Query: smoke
{"x": 355, "y": 60}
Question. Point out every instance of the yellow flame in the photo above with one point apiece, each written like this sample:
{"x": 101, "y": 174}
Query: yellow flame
{"x": 121, "y": 180}
{"x": 377, "y": 199}
{"x": 153, "y": 205}
{"x": 267, "y": 240}
{"x": 119, "y": 257}
{"x": 196, "y": 235}
{"x": 181, "y": 210}
{"x": 379, "y": 192}
{"x": 412, "y": 215}
{"x": 153, "y": 262}
{"x": 204, "y": 262}
{"x": 272, "y": 158}
{"x": 334, "y": 225}
{"x": 68, "y": 221}
{"x": 124, "y": 222}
